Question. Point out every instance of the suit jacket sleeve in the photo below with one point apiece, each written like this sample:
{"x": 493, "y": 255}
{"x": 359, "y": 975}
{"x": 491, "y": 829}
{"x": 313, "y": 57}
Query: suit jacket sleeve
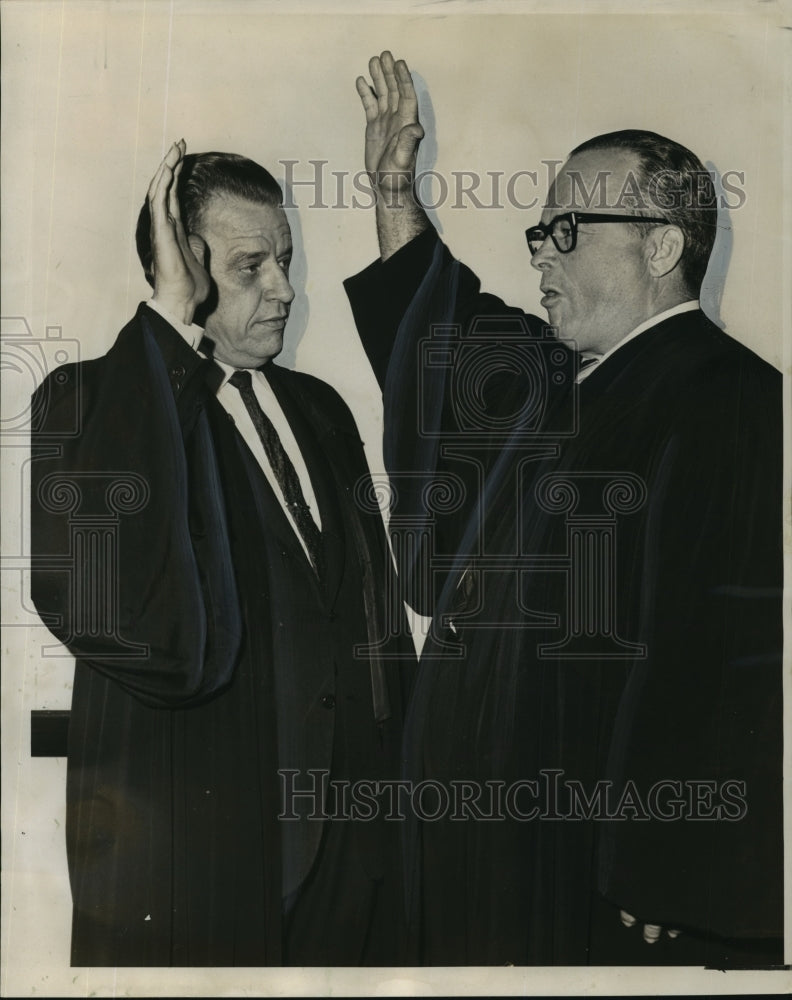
{"x": 131, "y": 558}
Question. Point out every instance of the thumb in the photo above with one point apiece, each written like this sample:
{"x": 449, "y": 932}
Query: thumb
{"x": 407, "y": 143}
{"x": 411, "y": 135}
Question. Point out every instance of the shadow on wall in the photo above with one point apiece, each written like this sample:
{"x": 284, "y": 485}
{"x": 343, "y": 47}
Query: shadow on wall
{"x": 298, "y": 273}
{"x": 427, "y": 151}
{"x": 718, "y": 267}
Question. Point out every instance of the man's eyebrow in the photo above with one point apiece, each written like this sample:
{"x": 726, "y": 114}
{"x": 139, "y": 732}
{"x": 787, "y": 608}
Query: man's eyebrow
{"x": 237, "y": 256}
{"x": 256, "y": 254}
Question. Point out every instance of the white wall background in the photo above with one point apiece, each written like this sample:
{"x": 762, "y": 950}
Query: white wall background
{"x": 94, "y": 92}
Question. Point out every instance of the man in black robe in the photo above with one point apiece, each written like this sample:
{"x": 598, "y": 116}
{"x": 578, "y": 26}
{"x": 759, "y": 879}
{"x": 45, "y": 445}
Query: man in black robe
{"x": 602, "y": 681}
{"x": 204, "y": 544}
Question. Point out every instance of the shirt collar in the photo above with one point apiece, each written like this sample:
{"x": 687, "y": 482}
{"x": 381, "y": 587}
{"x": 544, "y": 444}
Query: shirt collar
{"x": 228, "y": 371}
{"x": 690, "y": 306}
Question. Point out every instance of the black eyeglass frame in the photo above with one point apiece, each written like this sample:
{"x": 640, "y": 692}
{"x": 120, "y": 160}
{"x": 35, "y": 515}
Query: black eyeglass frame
{"x": 539, "y": 230}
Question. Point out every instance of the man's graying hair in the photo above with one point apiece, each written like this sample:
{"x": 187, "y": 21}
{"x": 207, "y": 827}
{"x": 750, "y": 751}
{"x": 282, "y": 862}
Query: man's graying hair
{"x": 204, "y": 175}
{"x": 675, "y": 184}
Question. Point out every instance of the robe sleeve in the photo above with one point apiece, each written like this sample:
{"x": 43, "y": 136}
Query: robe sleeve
{"x": 131, "y": 562}
{"x": 456, "y": 366}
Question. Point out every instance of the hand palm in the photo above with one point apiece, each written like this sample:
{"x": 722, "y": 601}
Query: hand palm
{"x": 383, "y": 151}
{"x": 392, "y": 127}
{"x": 181, "y": 282}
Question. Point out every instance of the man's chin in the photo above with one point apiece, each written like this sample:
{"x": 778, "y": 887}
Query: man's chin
{"x": 261, "y": 357}
{"x": 274, "y": 353}
{"x": 276, "y": 347}
{"x": 269, "y": 348}
{"x": 566, "y": 331}
{"x": 555, "y": 320}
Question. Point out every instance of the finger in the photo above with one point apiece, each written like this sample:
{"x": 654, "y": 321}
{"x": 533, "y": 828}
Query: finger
{"x": 169, "y": 161}
{"x": 158, "y": 192}
{"x": 173, "y": 195}
{"x": 378, "y": 80}
{"x": 368, "y": 97}
{"x": 627, "y": 919}
{"x": 159, "y": 170}
{"x": 386, "y": 61}
{"x": 158, "y": 207}
{"x": 155, "y": 180}
{"x": 651, "y": 933}
{"x": 174, "y": 206}
{"x": 408, "y": 99}
{"x": 674, "y": 934}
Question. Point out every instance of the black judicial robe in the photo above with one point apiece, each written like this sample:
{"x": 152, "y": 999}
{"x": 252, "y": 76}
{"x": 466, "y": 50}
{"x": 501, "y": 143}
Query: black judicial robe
{"x": 669, "y": 455}
{"x": 208, "y": 654}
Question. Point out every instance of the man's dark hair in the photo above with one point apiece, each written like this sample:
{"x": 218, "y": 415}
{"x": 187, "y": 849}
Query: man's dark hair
{"x": 674, "y": 184}
{"x": 204, "y": 175}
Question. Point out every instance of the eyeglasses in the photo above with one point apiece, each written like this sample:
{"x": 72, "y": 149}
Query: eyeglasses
{"x": 562, "y": 230}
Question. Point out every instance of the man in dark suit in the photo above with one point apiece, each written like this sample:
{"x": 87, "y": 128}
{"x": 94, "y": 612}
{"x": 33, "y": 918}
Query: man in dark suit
{"x": 201, "y": 546}
{"x": 606, "y": 583}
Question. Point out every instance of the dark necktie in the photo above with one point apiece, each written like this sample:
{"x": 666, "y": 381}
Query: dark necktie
{"x": 285, "y": 473}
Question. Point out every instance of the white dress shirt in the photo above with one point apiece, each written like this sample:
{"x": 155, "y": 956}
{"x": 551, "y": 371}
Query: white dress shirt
{"x": 231, "y": 400}
{"x": 587, "y": 356}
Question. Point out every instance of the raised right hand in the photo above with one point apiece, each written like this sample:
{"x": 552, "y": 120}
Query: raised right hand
{"x": 181, "y": 282}
{"x": 393, "y": 131}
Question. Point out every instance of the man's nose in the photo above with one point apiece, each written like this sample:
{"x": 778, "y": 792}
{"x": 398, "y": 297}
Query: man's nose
{"x": 277, "y": 285}
{"x": 545, "y": 256}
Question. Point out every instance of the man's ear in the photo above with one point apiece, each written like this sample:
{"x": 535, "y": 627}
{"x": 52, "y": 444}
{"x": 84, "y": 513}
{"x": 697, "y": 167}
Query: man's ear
{"x": 198, "y": 247}
{"x": 665, "y": 246}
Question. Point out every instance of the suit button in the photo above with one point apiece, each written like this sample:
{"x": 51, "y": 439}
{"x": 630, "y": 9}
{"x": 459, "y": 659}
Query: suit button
{"x": 327, "y": 701}
{"x": 177, "y": 372}
{"x": 332, "y": 616}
